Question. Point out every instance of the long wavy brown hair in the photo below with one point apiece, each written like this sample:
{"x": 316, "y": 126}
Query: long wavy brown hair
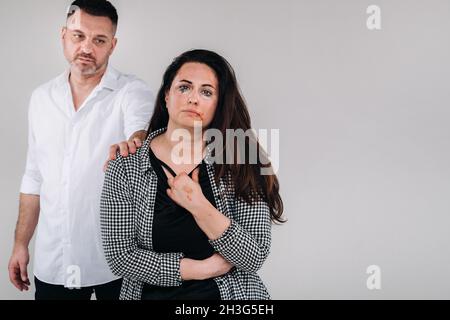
{"x": 231, "y": 113}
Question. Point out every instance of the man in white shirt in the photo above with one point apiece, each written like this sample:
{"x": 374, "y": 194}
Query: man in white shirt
{"x": 73, "y": 121}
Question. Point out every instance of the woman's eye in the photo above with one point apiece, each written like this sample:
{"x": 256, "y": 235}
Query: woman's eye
{"x": 207, "y": 93}
{"x": 183, "y": 88}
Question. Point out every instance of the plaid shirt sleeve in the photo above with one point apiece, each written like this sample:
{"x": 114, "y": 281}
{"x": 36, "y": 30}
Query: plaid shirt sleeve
{"x": 122, "y": 253}
{"x": 246, "y": 242}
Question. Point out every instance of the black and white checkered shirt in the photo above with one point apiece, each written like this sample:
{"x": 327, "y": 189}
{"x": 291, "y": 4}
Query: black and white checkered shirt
{"x": 127, "y": 207}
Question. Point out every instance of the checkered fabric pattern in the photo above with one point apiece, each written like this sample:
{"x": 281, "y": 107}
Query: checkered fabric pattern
{"x": 127, "y": 206}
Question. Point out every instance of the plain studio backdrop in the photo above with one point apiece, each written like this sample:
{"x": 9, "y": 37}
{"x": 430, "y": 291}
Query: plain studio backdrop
{"x": 363, "y": 117}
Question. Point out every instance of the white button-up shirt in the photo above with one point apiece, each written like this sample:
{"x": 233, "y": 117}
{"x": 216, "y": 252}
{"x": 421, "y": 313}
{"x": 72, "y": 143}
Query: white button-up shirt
{"x": 66, "y": 153}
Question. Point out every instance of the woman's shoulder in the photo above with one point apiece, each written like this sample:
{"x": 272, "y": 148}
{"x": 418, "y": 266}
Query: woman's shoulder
{"x": 127, "y": 164}
{"x": 137, "y": 163}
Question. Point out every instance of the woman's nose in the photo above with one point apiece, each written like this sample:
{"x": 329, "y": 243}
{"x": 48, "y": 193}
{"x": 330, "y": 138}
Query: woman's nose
{"x": 193, "y": 98}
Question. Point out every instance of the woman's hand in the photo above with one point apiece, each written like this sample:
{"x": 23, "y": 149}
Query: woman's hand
{"x": 186, "y": 192}
{"x": 211, "y": 267}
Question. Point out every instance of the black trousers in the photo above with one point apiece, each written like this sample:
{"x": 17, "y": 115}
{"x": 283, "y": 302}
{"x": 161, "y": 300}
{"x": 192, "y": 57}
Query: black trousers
{"x": 107, "y": 291}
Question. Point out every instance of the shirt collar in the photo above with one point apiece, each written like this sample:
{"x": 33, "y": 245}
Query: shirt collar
{"x": 110, "y": 79}
{"x": 144, "y": 151}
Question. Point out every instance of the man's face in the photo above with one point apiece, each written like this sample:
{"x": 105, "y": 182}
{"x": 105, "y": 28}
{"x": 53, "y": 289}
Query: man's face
{"x": 88, "y": 42}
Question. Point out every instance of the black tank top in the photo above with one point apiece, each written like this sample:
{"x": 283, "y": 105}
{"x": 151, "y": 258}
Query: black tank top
{"x": 175, "y": 230}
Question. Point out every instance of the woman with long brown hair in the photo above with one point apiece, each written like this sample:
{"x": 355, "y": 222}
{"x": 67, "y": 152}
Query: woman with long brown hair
{"x": 192, "y": 219}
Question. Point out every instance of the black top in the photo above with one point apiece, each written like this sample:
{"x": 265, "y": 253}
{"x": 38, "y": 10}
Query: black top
{"x": 175, "y": 230}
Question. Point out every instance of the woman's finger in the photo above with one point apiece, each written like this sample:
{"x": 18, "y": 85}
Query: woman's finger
{"x": 195, "y": 175}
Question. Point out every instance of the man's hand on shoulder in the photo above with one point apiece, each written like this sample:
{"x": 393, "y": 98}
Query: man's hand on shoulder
{"x": 126, "y": 147}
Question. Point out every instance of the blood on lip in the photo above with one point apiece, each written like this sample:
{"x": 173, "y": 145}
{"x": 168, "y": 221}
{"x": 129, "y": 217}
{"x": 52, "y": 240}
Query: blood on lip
{"x": 199, "y": 114}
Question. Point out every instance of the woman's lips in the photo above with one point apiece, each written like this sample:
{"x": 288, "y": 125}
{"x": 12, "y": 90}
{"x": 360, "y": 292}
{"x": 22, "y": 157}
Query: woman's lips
{"x": 193, "y": 113}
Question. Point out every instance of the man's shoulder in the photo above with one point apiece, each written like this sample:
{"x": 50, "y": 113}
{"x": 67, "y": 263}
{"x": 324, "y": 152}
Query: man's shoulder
{"x": 46, "y": 87}
{"x": 129, "y": 81}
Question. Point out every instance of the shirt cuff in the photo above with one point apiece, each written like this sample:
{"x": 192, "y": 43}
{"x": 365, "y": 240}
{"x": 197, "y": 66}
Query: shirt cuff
{"x": 227, "y": 238}
{"x": 30, "y": 186}
{"x": 170, "y": 270}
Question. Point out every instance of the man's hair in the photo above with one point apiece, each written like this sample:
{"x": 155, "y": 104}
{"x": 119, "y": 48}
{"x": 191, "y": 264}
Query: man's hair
{"x": 98, "y": 8}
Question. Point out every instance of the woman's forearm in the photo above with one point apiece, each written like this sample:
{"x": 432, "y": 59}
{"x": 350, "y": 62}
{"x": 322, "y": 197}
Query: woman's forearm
{"x": 237, "y": 241}
{"x": 212, "y": 222}
{"x": 211, "y": 267}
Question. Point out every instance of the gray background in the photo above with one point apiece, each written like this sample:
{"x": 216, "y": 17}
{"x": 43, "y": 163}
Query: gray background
{"x": 363, "y": 118}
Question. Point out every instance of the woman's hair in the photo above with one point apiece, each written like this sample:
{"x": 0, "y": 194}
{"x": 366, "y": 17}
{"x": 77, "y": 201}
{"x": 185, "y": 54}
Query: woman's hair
{"x": 231, "y": 113}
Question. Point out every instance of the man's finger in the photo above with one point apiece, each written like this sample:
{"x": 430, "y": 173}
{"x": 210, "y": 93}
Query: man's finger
{"x": 131, "y": 147}
{"x": 105, "y": 166}
{"x": 113, "y": 151}
{"x": 137, "y": 142}
{"x": 15, "y": 277}
{"x": 14, "y": 272}
{"x": 123, "y": 146}
{"x": 24, "y": 276}
{"x": 23, "y": 272}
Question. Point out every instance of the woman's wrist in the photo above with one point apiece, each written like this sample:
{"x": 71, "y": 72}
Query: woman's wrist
{"x": 200, "y": 208}
{"x": 191, "y": 269}
{"x": 186, "y": 268}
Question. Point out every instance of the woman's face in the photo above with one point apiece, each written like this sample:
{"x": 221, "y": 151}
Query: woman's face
{"x": 193, "y": 96}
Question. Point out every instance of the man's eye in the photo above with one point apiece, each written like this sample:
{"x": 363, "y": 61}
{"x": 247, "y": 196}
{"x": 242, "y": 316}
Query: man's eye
{"x": 100, "y": 41}
{"x": 78, "y": 37}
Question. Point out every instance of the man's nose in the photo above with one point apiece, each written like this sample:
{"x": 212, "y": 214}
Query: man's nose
{"x": 86, "y": 47}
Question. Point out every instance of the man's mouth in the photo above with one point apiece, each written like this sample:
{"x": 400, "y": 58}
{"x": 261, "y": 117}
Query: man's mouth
{"x": 86, "y": 60}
